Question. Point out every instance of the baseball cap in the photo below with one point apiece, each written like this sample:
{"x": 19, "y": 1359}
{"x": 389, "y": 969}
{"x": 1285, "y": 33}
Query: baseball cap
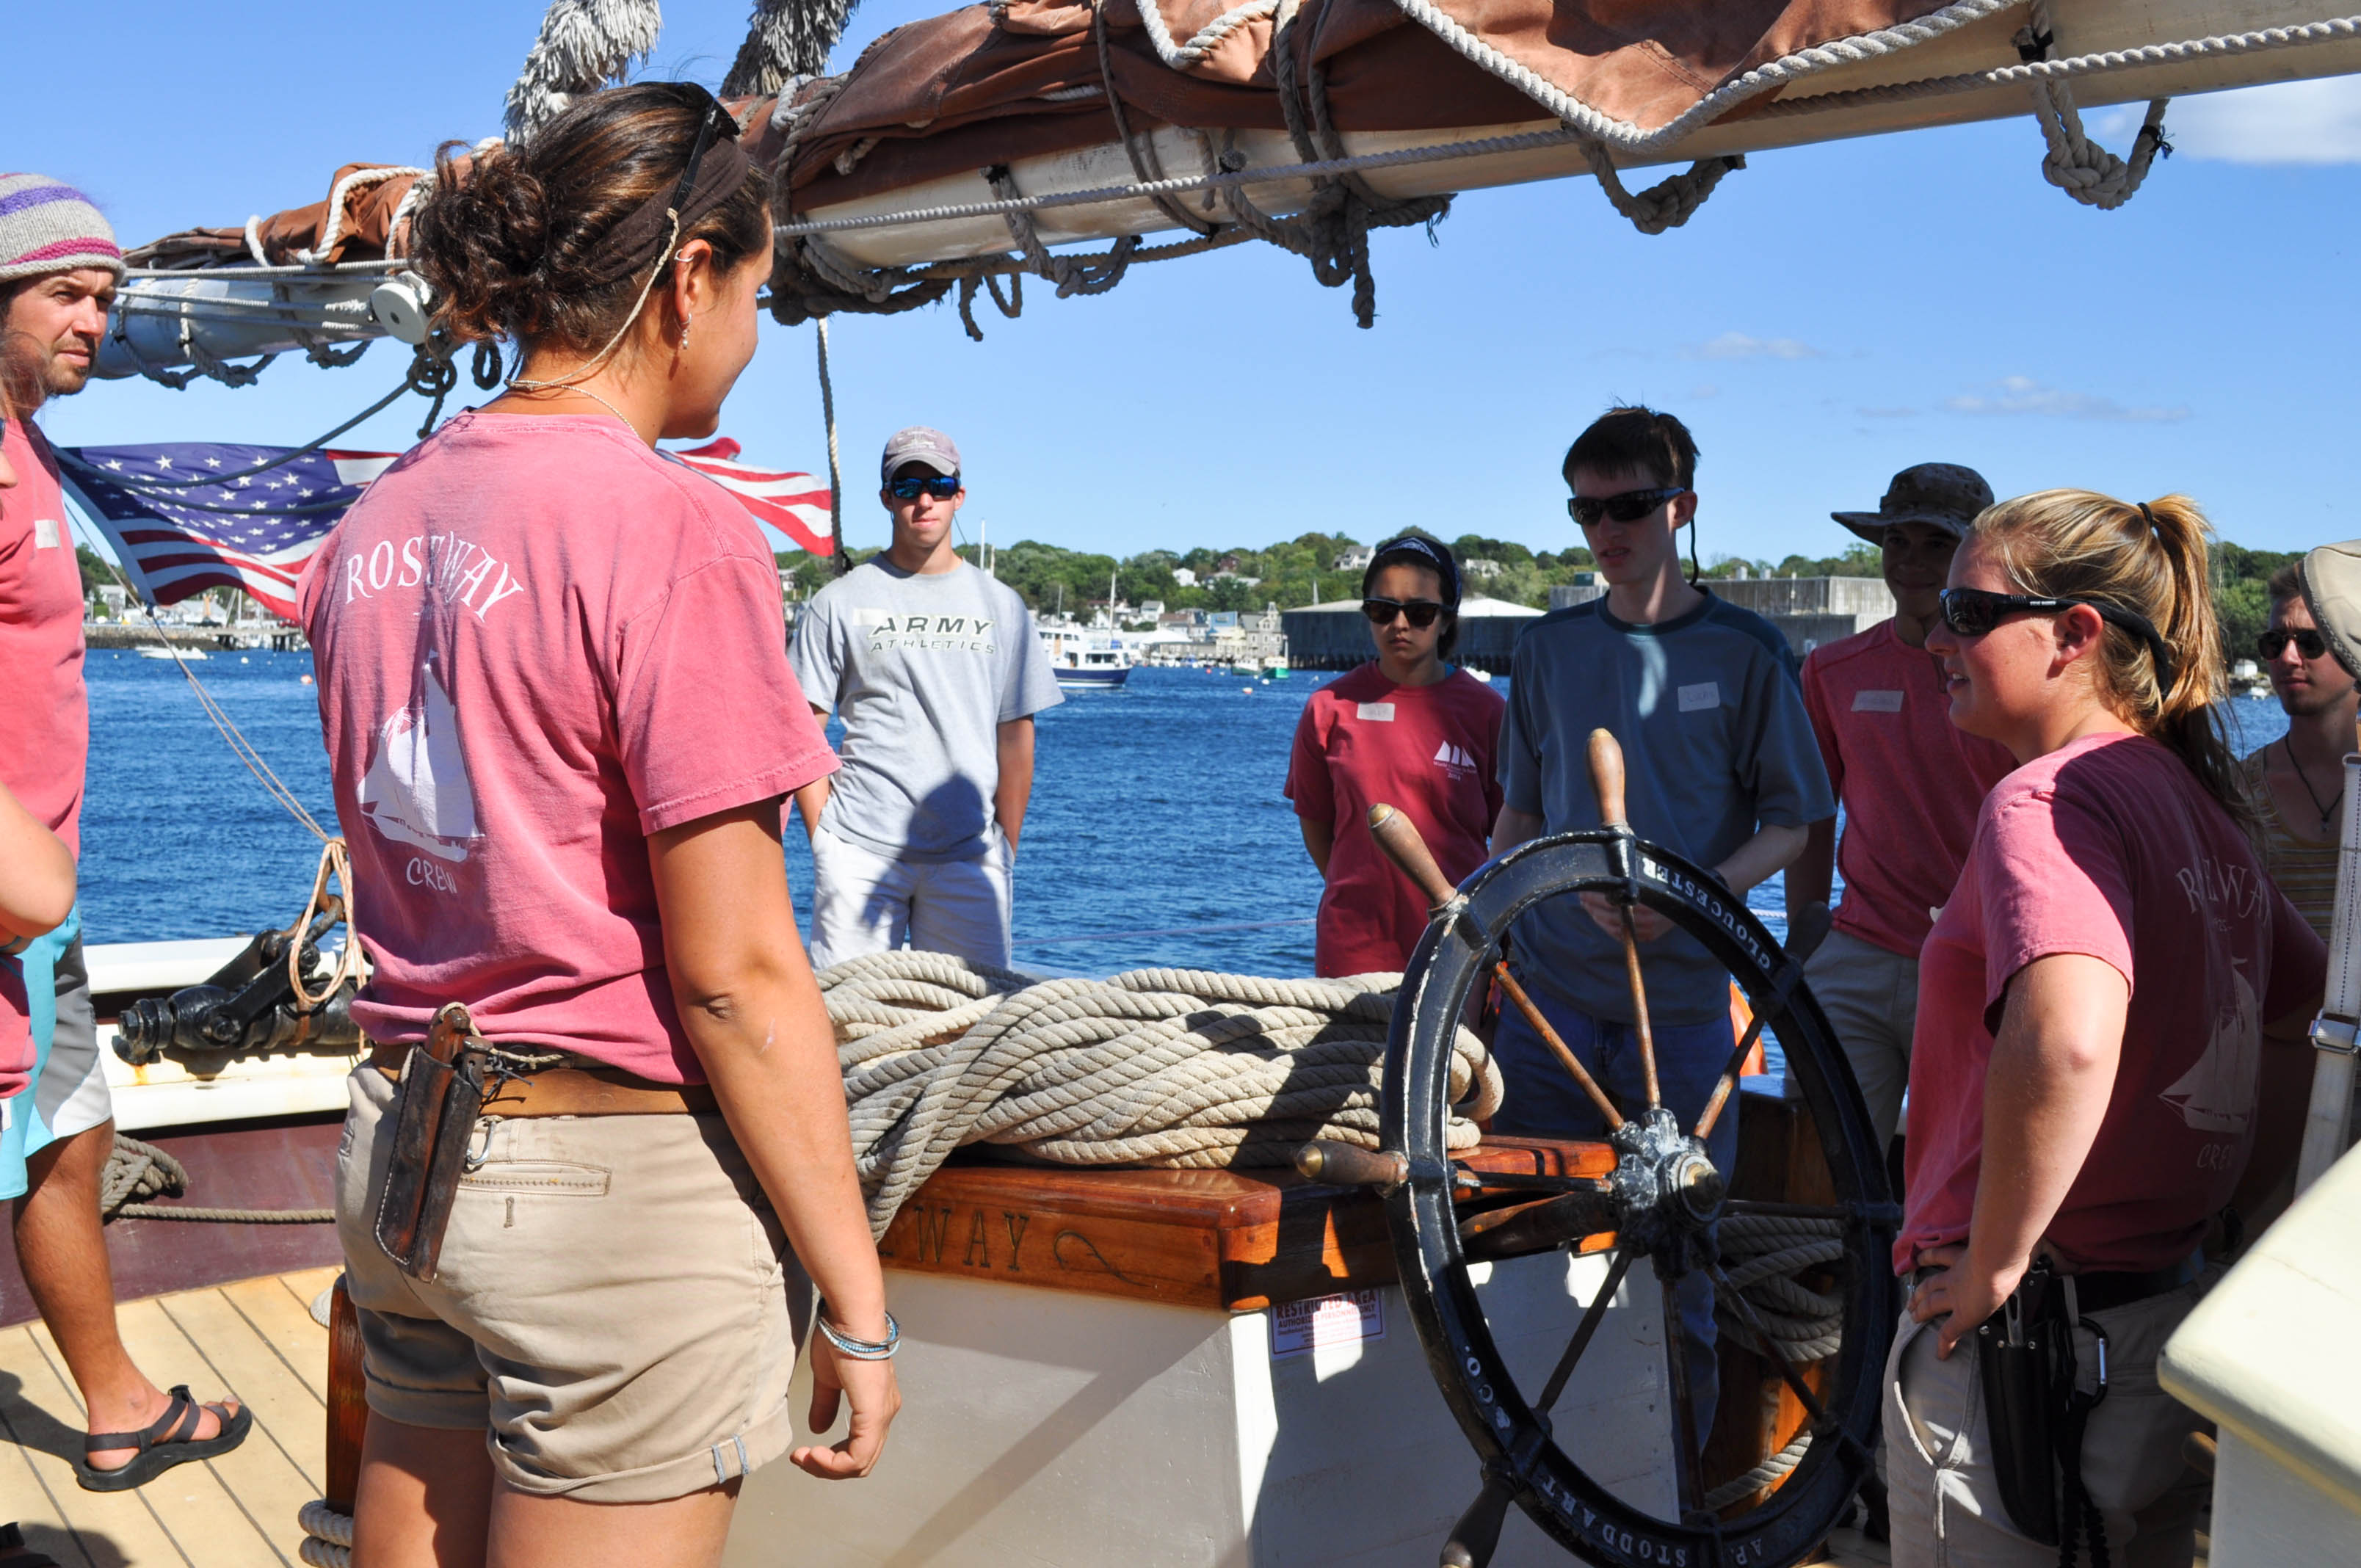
{"x": 1943, "y": 494}
{"x": 918, "y": 444}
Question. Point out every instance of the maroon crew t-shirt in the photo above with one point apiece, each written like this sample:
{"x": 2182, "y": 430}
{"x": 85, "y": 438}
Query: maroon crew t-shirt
{"x": 540, "y": 643}
{"x": 1428, "y": 751}
{"x": 2109, "y": 847}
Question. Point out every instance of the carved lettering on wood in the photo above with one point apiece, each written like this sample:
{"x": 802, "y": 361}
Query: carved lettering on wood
{"x": 1016, "y": 1223}
{"x": 979, "y": 1241}
{"x": 934, "y": 1230}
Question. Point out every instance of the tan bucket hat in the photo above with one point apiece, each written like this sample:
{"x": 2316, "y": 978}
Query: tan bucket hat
{"x": 1943, "y": 494}
{"x": 2331, "y": 580}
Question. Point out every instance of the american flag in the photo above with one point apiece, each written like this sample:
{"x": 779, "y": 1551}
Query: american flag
{"x": 185, "y": 517}
{"x": 794, "y": 504}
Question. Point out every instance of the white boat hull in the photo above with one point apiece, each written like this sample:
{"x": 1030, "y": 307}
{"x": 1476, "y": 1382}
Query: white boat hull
{"x": 1046, "y": 1426}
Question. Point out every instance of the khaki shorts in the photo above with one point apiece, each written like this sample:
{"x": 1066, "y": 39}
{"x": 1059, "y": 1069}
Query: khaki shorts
{"x": 1941, "y": 1489}
{"x": 616, "y": 1306}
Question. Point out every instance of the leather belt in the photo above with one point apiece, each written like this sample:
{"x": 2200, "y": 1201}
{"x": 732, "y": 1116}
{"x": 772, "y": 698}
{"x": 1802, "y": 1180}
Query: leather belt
{"x": 573, "y": 1091}
{"x": 2103, "y": 1291}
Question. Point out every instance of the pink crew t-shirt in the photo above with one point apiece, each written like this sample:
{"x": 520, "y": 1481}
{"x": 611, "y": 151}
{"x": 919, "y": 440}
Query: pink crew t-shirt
{"x": 2109, "y": 847}
{"x": 540, "y": 643}
{"x": 1429, "y": 751}
{"x": 1910, "y": 780}
{"x": 45, "y": 741}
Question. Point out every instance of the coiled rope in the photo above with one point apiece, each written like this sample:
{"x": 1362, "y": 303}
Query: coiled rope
{"x": 1763, "y": 1257}
{"x": 1157, "y": 1067}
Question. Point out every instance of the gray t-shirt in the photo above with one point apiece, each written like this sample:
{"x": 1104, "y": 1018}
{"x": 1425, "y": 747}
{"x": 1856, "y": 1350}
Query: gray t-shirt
{"x": 924, "y": 668}
{"x": 1716, "y": 743}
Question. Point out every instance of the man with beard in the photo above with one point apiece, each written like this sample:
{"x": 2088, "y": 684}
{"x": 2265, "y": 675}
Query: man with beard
{"x": 59, "y": 270}
{"x": 2297, "y": 781}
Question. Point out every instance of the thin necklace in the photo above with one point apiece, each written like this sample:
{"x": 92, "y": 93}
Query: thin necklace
{"x": 529, "y": 387}
{"x": 2310, "y": 793}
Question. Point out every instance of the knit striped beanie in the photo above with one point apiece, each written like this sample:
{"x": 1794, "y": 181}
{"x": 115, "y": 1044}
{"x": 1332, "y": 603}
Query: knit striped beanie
{"x": 48, "y": 227}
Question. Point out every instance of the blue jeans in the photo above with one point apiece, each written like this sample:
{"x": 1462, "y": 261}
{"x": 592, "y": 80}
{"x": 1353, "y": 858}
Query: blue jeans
{"x": 1543, "y": 1101}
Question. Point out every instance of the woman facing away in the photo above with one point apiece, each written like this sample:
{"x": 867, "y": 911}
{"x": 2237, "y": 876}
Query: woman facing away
{"x": 1405, "y": 729}
{"x": 2112, "y": 1006}
{"x": 558, "y": 713}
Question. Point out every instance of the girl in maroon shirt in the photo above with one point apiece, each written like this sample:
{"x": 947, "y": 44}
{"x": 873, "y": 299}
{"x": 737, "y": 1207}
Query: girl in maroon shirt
{"x": 1405, "y": 729}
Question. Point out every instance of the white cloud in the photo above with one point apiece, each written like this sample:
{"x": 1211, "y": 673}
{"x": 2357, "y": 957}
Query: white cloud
{"x": 2023, "y": 395}
{"x": 2286, "y": 122}
{"x": 1739, "y": 346}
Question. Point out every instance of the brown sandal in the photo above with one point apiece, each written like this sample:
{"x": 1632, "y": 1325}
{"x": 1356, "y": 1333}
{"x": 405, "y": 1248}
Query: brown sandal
{"x": 169, "y": 1439}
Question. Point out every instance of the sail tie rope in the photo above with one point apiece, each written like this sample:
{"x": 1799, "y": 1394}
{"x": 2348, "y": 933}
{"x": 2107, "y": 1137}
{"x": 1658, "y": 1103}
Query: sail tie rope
{"x": 137, "y": 1172}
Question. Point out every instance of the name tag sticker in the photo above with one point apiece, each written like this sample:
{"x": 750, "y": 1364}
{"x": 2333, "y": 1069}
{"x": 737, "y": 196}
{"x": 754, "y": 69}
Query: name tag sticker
{"x": 1877, "y": 702}
{"x": 869, "y": 620}
{"x": 45, "y": 534}
{"x": 1382, "y": 712}
{"x": 1705, "y": 693}
{"x": 1300, "y": 1328}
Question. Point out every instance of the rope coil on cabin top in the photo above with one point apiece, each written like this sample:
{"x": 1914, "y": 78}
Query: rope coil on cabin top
{"x": 1156, "y": 1067}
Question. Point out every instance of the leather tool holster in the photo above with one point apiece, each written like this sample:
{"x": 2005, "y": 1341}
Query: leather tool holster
{"x": 442, "y": 1095}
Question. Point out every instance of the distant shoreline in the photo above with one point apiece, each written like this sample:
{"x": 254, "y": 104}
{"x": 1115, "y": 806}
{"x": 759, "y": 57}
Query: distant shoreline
{"x": 121, "y": 635}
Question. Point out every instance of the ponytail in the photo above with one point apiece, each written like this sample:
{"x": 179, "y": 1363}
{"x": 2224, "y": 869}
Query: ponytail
{"x": 2149, "y": 558}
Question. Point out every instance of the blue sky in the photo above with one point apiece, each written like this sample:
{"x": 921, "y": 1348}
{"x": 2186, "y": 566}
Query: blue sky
{"x": 1833, "y": 314}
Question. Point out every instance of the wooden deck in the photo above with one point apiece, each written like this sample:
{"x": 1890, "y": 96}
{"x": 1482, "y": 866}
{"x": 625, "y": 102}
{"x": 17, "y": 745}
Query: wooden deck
{"x": 254, "y": 1339}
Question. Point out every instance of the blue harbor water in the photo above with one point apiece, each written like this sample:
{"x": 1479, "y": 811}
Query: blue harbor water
{"x": 1156, "y": 836}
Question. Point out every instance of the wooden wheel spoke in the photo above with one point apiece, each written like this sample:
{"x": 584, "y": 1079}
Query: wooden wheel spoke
{"x": 1685, "y": 1432}
{"x": 1592, "y": 1316}
{"x": 1794, "y": 1380}
{"x": 1466, "y": 1180}
{"x": 1539, "y": 1225}
{"x": 1566, "y": 1056}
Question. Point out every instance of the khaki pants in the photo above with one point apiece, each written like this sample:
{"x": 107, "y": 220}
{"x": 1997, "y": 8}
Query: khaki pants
{"x": 1871, "y": 997}
{"x": 1944, "y": 1501}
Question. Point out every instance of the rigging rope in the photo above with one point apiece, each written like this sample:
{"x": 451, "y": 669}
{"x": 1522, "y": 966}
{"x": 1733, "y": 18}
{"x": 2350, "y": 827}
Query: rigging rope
{"x": 583, "y": 45}
{"x": 1157, "y": 1067}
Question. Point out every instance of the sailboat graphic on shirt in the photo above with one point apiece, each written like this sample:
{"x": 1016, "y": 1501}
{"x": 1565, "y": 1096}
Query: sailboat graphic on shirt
{"x": 416, "y": 790}
{"x": 2217, "y": 1093}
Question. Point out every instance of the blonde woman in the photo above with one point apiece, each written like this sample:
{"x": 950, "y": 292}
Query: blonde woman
{"x": 2111, "y": 1006}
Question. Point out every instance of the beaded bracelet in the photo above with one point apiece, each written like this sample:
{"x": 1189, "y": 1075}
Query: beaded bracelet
{"x": 860, "y": 1349}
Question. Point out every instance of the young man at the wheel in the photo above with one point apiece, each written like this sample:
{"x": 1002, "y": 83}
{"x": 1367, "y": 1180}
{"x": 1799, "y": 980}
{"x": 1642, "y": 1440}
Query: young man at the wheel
{"x": 1721, "y": 769}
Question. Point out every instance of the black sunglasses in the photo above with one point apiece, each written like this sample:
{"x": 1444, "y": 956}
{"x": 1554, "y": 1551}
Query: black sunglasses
{"x": 715, "y": 120}
{"x": 2308, "y": 643}
{"x": 1629, "y": 507}
{"x": 1971, "y": 612}
{"x": 910, "y": 486}
{"x": 1420, "y": 613}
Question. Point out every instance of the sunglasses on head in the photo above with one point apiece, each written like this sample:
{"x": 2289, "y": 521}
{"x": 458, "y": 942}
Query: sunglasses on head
{"x": 1420, "y": 613}
{"x": 1629, "y": 507}
{"x": 1971, "y": 612}
{"x": 910, "y": 486}
{"x": 2308, "y": 643}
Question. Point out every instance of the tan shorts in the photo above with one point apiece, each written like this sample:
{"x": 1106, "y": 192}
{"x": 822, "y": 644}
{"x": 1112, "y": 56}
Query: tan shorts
{"x": 1943, "y": 1493}
{"x": 616, "y": 1305}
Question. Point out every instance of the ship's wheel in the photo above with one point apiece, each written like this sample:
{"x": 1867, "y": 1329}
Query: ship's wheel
{"x": 1664, "y": 1202}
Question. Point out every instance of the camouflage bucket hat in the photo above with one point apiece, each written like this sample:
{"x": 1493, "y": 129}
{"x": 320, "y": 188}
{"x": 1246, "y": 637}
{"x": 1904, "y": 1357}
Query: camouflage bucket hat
{"x": 1943, "y": 494}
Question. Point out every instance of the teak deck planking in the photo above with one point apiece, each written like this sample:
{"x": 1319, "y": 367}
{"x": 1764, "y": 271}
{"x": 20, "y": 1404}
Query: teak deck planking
{"x": 255, "y": 1338}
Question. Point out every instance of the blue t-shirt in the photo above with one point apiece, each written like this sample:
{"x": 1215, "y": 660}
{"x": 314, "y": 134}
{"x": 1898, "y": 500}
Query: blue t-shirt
{"x": 1716, "y": 745}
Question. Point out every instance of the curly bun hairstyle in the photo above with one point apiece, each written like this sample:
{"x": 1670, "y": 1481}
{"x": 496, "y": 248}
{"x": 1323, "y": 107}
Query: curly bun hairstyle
{"x": 509, "y": 244}
{"x": 2150, "y": 559}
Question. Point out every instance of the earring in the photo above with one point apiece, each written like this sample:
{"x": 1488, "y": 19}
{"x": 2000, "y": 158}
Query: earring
{"x": 684, "y": 334}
